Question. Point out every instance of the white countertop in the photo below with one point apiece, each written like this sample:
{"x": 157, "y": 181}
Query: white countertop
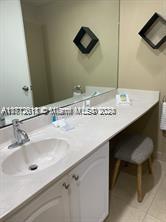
{"x": 89, "y": 133}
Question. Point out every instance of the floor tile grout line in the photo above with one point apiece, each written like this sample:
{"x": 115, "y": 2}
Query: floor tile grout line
{"x": 146, "y": 211}
{"x": 164, "y": 174}
{"x": 131, "y": 206}
{"x": 151, "y": 202}
{"x": 154, "y": 218}
{"x": 144, "y": 217}
{"x": 156, "y": 192}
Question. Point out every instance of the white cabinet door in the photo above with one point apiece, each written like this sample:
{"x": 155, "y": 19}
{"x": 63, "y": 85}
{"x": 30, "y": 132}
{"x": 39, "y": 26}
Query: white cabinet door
{"x": 90, "y": 188}
{"x": 50, "y": 206}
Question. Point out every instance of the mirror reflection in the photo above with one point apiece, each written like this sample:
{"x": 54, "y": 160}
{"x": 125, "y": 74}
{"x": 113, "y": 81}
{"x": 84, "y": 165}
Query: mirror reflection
{"x": 40, "y": 63}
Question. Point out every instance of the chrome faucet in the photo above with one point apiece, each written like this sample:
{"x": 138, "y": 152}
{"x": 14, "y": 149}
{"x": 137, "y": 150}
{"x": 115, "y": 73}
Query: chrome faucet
{"x": 20, "y": 135}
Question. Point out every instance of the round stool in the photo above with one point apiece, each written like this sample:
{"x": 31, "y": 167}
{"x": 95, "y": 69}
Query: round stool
{"x": 135, "y": 149}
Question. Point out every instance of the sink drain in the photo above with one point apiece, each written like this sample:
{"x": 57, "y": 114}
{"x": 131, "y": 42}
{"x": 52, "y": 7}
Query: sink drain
{"x": 33, "y": 167}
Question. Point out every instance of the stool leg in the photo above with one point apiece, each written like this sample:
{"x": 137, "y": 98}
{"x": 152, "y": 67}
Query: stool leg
{"x": 150, "y": 165}
{"x": 139, "y": 183}
{"x": 116, "y": 172}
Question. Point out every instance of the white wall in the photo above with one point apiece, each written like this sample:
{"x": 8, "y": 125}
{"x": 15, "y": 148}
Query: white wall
{"x": 67, "y": 65}
{"x": 14, "y": 70}
{"x": 140, "y": 66}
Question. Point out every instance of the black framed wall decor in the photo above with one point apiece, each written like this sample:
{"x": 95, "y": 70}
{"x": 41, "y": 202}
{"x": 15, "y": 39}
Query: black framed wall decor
{"x": 154, "y": 31}
{"x": 85, "y": 40}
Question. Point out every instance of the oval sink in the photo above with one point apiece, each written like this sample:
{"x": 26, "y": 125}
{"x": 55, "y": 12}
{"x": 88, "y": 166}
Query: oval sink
{"x": 35, "y": 156}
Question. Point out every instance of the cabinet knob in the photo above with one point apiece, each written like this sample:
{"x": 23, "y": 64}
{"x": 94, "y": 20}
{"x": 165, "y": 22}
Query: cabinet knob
{"x": 66, "y": 186}
{"x": 75, "y": 177}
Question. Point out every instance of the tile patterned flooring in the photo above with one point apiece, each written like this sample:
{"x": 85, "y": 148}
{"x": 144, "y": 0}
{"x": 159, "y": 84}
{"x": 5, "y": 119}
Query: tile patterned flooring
{"x": 123, "y": 198}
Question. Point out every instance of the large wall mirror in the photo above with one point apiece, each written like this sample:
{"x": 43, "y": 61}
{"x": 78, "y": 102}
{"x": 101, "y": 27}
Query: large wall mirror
{"x": 39, "y": 62}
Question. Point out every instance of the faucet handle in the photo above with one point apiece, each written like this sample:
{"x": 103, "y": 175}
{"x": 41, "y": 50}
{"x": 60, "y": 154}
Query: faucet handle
{"x": 16, "y": 122}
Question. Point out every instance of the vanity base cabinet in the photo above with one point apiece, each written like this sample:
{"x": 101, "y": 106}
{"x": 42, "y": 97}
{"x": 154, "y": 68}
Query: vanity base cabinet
{"x": 90, "y": 188}
{"x": 80, "y": 196}
{"x": 50, "y": 206}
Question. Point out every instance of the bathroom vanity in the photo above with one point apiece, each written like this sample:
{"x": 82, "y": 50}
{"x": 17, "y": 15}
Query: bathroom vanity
{"x": 80, "y": 193}
{"x": 74, "y": 185}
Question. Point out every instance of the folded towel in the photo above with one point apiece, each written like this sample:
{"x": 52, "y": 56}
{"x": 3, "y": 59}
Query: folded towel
{"x": 163, "y": 117}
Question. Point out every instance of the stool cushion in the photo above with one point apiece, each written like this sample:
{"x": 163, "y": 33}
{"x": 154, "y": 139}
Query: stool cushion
{"x": 134, "y": 149}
